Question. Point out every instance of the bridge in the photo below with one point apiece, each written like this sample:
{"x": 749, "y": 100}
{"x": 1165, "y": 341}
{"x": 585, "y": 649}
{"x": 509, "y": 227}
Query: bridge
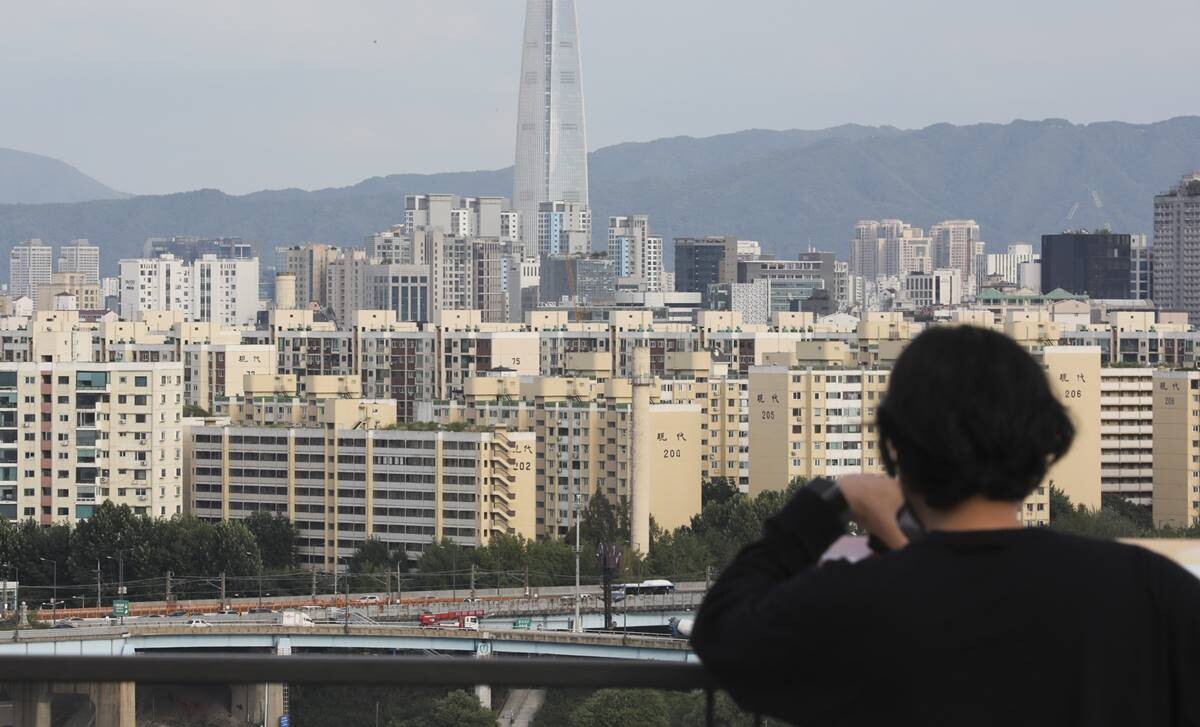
{"x": 267, "y": 702}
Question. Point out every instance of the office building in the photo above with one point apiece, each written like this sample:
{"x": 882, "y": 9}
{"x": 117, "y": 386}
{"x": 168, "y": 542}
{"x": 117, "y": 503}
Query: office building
{"x": 1176, "y": 500}
{"x": 1095, "y": 264}
{"x": 637, "y": 254}
{"x": 1141, "y": 261}
{"x": 551, "y": 148}
{"x": 706, "y": 261}
{"x": 80, "y": 256}
{"x": 1177, "y": 247}
{"x": 582, "y": 279}
{"x": 563, "y": 228}
{"x": 78, "y": 434}
{"x": 29, "y": 266}
{"x": 791, "y": 281}
{"x": 455, "y": 216}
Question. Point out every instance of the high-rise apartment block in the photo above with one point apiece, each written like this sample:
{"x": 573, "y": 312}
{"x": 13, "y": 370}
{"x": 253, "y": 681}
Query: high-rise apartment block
{"x": 1176, "y": 448}
{"x": 77, "y": 434}
{"x": 1177, "y": 247}
{"x": 637, "y": 253}
{"x": 310, "y": 264}
{"x": 1127, "y": 433}
{"x": 29, "y": 266}
{"x": 80, "y": 256}
{"x": 82, "y": 295}
{"x": 563, "y": 228}
{"x": 1096, "y": 264}
{"x": 210, "y": 289}
{"x": 190, "y": 248}
{"x": 551, "y": 148}
{"x": 1141, "y": 274}
{"x": 889, "y": 248}
{"x": 954, "y": 246}
{"x": 455, "y": 216}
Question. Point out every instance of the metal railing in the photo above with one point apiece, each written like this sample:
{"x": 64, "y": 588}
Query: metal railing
{"x": 362, "y": 670}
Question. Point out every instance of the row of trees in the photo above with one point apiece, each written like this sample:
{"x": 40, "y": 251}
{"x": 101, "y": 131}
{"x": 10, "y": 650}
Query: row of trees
{"x": 115, "y": 545}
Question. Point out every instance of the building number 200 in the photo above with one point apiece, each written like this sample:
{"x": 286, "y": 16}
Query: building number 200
{"x": 671, "y": 454}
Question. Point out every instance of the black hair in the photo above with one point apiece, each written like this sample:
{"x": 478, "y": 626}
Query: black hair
{"x": 969, "y": 412}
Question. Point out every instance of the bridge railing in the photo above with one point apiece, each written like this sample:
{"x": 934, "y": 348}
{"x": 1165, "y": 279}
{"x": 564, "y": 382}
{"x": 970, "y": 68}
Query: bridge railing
{"x": 356, "y": 671}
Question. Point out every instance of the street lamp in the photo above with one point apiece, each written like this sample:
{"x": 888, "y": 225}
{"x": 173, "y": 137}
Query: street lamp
{"x": 53, "y": 592}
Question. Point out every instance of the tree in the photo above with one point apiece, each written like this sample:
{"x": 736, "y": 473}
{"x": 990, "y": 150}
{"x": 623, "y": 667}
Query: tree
{"x": 276, "y": 538}
{"x": 192, "y": 410}
{"x": 456, "y": 709}
{"x": 621, "y": 708}
{"x": 716, "y": 490}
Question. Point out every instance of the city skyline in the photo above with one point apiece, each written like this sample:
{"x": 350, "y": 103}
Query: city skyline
{"x": 272, "y": 65}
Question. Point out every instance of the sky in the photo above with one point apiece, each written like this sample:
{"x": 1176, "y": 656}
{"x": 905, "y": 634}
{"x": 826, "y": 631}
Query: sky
{"x": 160, "y": 96}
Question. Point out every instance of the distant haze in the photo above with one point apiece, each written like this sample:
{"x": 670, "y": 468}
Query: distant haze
{"x": 154, "y": 97}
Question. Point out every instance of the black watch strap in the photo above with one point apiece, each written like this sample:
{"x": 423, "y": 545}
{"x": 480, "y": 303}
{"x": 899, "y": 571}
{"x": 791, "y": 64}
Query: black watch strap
{"x": 828, "y": 490}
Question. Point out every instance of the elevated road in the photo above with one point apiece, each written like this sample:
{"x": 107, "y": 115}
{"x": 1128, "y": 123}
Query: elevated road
{"x": 134, "y": 639}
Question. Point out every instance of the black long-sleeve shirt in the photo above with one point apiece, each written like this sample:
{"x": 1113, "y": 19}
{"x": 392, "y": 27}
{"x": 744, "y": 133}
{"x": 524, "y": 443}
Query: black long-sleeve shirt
{"x": 1000, "y": 627}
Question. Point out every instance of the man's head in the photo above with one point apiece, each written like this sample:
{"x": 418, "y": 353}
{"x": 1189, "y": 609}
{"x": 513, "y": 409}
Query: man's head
{"x": 969, "y": 413}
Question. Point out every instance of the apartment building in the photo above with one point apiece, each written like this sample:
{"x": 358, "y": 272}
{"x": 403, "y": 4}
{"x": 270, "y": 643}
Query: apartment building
{"x": 29, "y": 266}
{"x": 810, "y": 423}
{"x": 585, "y": 436}
{"x": 341, "y": 485}
{"x": 209, "y": 289}
{"x": 73, "y": 434}
{"x": 1177, "y": 247}
{"x": 213, "y": 372}
{"x": 1176, "y": 500}
{"x": 1127, "y": 433}
{"x": 82, "y": 294}
{"x": 80, "y": 256}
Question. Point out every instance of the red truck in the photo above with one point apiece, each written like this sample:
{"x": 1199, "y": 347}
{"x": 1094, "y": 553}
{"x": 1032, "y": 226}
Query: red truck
{"x": 452, "y": 620}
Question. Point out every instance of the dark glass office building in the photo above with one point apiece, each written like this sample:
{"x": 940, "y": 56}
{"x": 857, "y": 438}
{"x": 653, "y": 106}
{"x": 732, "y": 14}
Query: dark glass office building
{"x": 1095, "y": 264}
{"x": 704, "y": 261}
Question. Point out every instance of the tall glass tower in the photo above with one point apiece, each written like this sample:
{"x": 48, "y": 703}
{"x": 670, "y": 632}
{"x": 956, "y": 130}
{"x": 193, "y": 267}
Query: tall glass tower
{"x": 551, "y": 163}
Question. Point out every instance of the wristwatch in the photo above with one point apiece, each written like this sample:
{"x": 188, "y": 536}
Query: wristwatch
{"x": 827, "y": 489}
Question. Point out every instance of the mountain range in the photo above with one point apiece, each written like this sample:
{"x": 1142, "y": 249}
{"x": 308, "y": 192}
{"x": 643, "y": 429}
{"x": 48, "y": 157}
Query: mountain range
{"x": 788, "y": 189}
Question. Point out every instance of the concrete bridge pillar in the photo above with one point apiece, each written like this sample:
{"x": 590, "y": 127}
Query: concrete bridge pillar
{"x": 257, "y": 703}
{"x": 483, "y": 650}
{"x": 114, "y": 702}
{"x": 31, "y": 704}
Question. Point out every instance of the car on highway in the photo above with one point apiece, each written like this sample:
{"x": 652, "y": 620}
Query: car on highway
{"x": 198, "y": 623}
{"x": 178, "y": 614}
{"x": 369, "y": 599}
{"x": 472, "y": 600}
{"x": 261, "y": 610}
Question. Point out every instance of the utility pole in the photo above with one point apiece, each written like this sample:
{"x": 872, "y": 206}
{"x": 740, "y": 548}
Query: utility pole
{"x": 578, "y": 624}
{"x": 98, "y": 596}
{"x": 347, "y": 579}
{"x": 472, "y": 581}
{"x": 314, "y": 585}
{"x": 223, "y": 602}
{"x": 707, "y": 577}
{"x": 168, "y": 589}
{"x": 398, "y": 581}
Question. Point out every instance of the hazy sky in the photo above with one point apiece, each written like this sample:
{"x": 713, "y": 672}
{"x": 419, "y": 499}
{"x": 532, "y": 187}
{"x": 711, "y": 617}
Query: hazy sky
{"x": 155, "y": 96}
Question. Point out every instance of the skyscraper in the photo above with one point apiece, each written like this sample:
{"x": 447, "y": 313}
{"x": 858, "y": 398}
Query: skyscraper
{"x": 28, "y": 267}
{"x": 551, "y": 159}
{"x": 1177, "y": 247}
{"x": 1096, "y": 264}
{"x": 80, "y": 257}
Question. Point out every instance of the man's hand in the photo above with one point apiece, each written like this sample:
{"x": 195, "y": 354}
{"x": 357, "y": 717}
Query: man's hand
{"x": 874, "y": 501}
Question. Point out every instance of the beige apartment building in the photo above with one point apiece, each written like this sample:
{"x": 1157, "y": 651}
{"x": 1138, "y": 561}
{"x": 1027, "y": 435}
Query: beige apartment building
{"x": 1075, "y": 376}
{"x": 341, "y": 482}
{"x": 1127, "y": 433}
{"x": 213, "y": 372}
{"x": 73, "y": 434}
{"x": 584, "y": 441}
{"x": 1176, "y": 500}
{"x": 810, "y": 423}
